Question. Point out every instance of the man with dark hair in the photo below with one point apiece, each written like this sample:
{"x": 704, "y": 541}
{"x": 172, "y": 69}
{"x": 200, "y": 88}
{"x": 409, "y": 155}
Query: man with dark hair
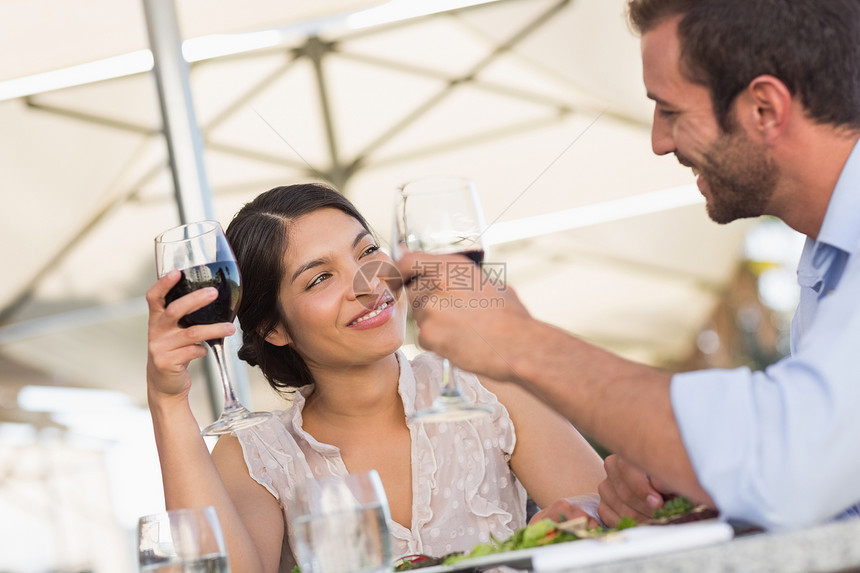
{"x": 761, "y": 98}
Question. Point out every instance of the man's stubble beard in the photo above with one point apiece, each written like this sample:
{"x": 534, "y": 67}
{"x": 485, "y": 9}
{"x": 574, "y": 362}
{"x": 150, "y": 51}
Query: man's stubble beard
{"x": 741, "y": 179}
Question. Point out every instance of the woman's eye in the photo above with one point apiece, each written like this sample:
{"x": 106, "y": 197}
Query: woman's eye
{"x": 369, "y": 250}
{"x": 318, "y": 279}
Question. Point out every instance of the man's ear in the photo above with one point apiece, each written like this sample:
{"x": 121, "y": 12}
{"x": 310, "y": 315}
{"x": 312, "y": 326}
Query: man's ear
{"x": 767, "y": 103}
{"x": 278, "y": 336}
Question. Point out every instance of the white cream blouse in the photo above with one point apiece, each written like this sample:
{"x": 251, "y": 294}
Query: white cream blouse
{"x": 463, "y": 489}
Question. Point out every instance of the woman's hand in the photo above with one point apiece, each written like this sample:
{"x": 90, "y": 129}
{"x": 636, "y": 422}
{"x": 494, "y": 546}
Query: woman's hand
{"x": 570, "y": 508}
{"x": 170, "y": 347}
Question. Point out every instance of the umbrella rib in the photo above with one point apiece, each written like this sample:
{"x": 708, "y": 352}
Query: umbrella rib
{"x": 142, "y": 129}
{"x": 395, "y": 65}
{"x": 521, "y": 94}
{"x": 247, "y": 96}
{"x": 468, "y": 77}
{"x": 519, "y": 36}
{"x": 404, "y": 122}
{"x": 29, "y": 289}
{"x": 511, "y": 91}
{"x": 258, "y": 156}
{"x": 91, "y": 117}
{"x": 468, "y": 141}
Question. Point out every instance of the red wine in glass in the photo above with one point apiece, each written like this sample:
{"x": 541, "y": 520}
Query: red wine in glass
{"x": 201, "y": 253}
{"x": 224, "y": 277}
{"x": 475, "y": 255}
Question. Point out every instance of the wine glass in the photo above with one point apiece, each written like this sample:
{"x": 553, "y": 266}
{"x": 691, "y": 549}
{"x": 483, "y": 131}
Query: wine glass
{"x": 181, "y": 540}
{"x": 442, "y": 215}
{"x": 201, "y": 252}
{"x": 341, "y": 524}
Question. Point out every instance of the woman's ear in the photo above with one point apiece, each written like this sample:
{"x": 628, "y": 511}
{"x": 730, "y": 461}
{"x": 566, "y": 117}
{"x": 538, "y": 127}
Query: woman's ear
{"x": 278, "y": 336}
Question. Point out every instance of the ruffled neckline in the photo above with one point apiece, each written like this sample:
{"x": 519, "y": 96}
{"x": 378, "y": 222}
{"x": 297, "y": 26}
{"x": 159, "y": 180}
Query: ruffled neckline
{"x": 423, "y": 462}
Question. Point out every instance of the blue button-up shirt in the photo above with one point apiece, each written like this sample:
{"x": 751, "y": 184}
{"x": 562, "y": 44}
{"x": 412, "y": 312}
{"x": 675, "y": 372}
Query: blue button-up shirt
{"x": 781, "y": 447}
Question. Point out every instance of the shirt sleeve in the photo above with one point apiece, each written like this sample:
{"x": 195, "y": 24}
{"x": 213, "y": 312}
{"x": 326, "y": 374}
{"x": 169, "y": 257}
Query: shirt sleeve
{"x": 781, "y": 447}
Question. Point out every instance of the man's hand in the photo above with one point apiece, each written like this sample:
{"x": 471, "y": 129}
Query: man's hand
{"x": 463, "y": 314}
{"x": 626, "y": 491}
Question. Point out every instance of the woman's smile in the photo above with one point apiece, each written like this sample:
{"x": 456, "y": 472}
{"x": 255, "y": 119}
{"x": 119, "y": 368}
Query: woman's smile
{"x": 371, "y": 318}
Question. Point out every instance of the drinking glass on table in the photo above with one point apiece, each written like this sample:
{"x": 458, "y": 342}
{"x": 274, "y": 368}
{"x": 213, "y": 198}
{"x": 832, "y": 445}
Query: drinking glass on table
{"x": 442, "y": 215}
{"x": 182, "y": 541}
{"x": 341, "y": 525}
{"x": 201, "y": 252}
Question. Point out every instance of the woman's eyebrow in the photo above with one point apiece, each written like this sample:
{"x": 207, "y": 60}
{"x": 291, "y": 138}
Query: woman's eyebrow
{"x": 362, "y": 234}
{"x": 305, "y": 267}
{"x": 317, "y": 262}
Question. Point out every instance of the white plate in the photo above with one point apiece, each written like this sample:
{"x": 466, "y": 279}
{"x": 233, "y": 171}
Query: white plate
{"x": 627, "y": 544}
{"x": 519, "y": 559}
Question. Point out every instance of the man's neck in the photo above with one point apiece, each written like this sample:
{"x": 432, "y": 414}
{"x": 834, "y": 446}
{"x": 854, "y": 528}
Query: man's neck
{"x": 811, "y": 162}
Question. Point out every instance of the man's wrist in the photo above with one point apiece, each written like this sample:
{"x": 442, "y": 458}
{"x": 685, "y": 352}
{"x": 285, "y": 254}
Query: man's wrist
{"x": 530, "y": 358}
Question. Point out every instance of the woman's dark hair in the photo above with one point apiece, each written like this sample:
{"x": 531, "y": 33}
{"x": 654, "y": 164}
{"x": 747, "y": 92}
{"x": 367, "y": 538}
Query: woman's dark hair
{"x": 259, "y": 234}
{"x": 810, "y": 45}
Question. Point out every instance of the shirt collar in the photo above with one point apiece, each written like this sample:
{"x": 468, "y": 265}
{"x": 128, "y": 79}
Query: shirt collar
{"x": 840, "y": 228}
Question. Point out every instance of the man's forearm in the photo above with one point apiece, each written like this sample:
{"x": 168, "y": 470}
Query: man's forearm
{"x": 623, "y": 405}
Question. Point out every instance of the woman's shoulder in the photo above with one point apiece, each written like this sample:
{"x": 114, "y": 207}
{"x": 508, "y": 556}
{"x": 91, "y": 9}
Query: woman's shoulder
{"x": 276, "y": 428}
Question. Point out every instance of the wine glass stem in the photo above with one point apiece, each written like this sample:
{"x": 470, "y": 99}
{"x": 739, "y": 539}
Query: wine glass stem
{"x": 450, "y": 387}
{"x": 230, "y": 401}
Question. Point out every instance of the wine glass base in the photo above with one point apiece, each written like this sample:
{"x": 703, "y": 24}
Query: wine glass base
{"x": 237, "y": 419}
{"x": 450, "y": 409}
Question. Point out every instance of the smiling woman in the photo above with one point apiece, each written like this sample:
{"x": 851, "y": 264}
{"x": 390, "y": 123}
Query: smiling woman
{"x": 322, "y": 318}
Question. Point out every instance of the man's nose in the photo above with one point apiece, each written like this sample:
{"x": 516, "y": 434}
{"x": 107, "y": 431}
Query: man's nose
{"x": 662, "y": 141}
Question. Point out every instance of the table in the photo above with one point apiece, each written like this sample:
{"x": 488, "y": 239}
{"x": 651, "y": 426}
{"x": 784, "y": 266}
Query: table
{"x": 824, "y": 548}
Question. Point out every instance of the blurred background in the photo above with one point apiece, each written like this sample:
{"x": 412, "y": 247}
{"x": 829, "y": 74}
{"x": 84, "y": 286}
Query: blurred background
{"x": 539, "y": 101}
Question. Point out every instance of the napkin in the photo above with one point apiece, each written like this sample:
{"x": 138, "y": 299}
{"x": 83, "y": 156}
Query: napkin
{"x": 634, "y": 542}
